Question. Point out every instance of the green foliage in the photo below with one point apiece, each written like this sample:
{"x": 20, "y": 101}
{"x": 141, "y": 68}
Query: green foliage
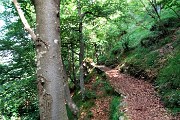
{"x": 88, "y": 104}
{"x": 89, "y": 76}
{"x": 18, "y": 92}
{"x": 114, "y": 108}
{"x": 70, "y": 114}
{"x": 168, "y": 83}
{"x": 108, "y": 88}
{"x": 83, "y": 105}
{"x": 102, "y": 60}
{"x": 166, "y": 23}
{"x": 116, "y": 50}
{"x": 103, "y": 84}
{"x": 160, "y": 30}
{"x": 113, "y": 31}
{"x": 152, "y": 59}
{"x": 89, "y": 95}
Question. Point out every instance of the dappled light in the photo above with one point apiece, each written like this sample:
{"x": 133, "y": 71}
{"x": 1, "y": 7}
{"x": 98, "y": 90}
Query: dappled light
{"x": 90, "y": 59}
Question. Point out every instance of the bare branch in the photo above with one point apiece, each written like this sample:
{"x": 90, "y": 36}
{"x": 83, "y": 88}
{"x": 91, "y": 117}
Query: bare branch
{"x": 24, "y": 21}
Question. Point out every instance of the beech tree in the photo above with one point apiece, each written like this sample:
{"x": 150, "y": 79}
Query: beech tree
{"x": 50, "y": 79}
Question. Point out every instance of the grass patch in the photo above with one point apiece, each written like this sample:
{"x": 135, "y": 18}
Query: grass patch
{"x": 115, "y": 108}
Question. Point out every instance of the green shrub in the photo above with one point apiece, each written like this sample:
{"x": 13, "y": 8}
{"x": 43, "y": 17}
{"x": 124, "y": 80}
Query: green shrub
{"x": 108, "y": 88}
{"x": 116, "y": 50}
{"x": 88, "y": 104}
{"x": 168, "y": 83}
{"x": 151, "y": 59}
{"x": 114, "y": 108}
{"x": 152, "y": 39}
{"x": 89, "y": 76}
{"x": 166, "y": 23}
{"x": 90, "y": 95}
{"x": 102, "y": 60}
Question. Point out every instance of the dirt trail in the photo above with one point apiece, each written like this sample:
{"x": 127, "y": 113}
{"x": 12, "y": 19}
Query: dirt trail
{"x": 141, "y": 100}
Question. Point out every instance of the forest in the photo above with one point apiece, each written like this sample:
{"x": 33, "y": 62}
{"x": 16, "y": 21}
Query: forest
{"x": 90, "y": 59}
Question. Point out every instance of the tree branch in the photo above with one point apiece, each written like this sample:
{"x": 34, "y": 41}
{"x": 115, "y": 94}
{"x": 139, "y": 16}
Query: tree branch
{"x": 154, "y": 7}
{"x": 24, "y": 21}
{"x": 148, "y": 12}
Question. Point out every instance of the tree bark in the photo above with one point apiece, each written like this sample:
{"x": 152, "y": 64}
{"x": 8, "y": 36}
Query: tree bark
{"x": 81, "y": 54}
{"x": 96, "y": 52}
{"x": 67, "y": 96}
{"x": 49, "y": 62}
{"x": 73, "y": 67}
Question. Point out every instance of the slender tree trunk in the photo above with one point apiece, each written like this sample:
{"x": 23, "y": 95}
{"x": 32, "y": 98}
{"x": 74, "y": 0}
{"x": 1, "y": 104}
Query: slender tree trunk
{"x": 81, "y": 54}
{"x": 73, "y": 67}
{"x": 96, "y": 52}
{"x": 67, "y": 96}
{"x": 49, "y": 62}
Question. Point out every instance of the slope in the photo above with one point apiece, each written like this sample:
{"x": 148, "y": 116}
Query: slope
{"x": 140, "y": 98}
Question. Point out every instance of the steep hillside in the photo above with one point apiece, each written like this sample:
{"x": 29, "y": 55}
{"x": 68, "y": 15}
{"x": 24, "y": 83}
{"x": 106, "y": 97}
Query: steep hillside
{"x": 154, "y": 57}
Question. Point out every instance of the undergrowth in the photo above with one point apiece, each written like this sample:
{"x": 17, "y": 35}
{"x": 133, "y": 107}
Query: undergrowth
{"x": 101, "y": 85}
{"x": 168, "y": 83}
{"x": 154, "y": 57}
{"x": 114, "y": 108}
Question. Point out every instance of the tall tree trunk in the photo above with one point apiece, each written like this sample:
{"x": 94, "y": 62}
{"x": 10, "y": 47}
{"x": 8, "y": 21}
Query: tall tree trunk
{"x": 81, "y": 54}
{"x": 49, "y": 62}
{"x": 73, "y": 67}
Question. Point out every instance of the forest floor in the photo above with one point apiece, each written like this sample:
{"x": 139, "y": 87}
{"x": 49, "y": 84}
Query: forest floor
{"x": 141, "y": 101}
{"x": 100, "y": 110}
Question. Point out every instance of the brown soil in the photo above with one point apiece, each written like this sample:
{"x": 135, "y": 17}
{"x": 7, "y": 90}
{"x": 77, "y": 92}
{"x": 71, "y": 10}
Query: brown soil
{"x": 100, "y": 111}
{"x": 141, "y": 100}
